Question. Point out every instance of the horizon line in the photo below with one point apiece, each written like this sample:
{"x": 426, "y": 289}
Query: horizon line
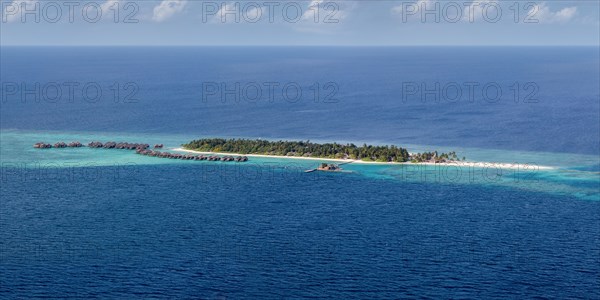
{"x": 315, "y": 45}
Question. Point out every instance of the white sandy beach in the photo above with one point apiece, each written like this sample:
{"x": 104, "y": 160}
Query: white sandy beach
{"x": 461, "y": 164}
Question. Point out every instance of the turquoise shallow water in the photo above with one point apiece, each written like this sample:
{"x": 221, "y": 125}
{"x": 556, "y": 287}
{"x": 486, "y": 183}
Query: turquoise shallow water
{"x": 571, "y": 174}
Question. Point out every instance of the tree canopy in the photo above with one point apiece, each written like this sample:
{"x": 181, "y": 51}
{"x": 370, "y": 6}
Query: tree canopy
{"x": 308, "y": 149}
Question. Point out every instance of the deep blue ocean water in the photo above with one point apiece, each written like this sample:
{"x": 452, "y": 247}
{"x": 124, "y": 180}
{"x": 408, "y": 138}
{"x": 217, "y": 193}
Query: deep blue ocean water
{"x": 371, "y": 105}
{"x": 101, "y": 223}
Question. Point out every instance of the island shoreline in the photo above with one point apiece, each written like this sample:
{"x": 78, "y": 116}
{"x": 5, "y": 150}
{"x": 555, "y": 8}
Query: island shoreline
{"x": 461, "y": 164}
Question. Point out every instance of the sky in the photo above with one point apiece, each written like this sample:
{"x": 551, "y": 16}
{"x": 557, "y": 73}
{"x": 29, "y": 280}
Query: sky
{"x": 283, "y": 23}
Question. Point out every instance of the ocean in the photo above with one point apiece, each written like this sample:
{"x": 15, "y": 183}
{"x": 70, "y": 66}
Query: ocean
{"x": 110, "y": 223}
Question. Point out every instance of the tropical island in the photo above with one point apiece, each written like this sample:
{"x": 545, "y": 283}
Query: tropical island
{"x": 307, "y": 149}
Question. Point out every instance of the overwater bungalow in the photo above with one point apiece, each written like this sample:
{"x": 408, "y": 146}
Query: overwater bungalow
{"x": 95, "y": 145}
{"x": 143, "y": 149}
{"x": 110, "y": 145}
{"x": 74, "y": 145}
{"x": 42, "y": 145}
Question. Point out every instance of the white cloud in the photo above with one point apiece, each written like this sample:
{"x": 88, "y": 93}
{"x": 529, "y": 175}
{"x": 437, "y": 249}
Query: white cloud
{"x": 255, "y": 13}
{"x": 316, "y": 13}
{"x": 108, "y": 4}
{"x": 228, "y": 13}
{"x": 475, "y": 10}
{"x": 313, "y": 6}
{"x": 543, "y": 13}
{"x": 236, "y": 12}
{"x": 12, "y": 11}
{"x": 324, "y": 16}
{"x": 416, "y": 6}
{"x": 167, "y": 8}
{"x": 470, "y": 11}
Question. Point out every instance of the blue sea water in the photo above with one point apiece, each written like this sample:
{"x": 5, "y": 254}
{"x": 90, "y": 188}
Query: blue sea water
{"x": 371, "y": 105}
{"x": 109, "y": 223}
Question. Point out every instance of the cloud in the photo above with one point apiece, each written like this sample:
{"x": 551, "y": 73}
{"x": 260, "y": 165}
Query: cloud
{"x": 236, "y": 12}
{"x": 312, "y": 7}
{"x": 221, "y": 15}
{"x": 475, "y": 10}
{"x": 543, "y": 14}
{"x": 417, "y": 6}
{"x": 316, "y": 13}
{"x": 324, "y": 17}
{"x": 108, "y": 4}
{"x": 470, "y": 11}
{"x": 228, "y": 13}
{"x": 255, "y": 13}
{"x": 324, "y": 11}
{"x": 167, "y": 8}
{"x": 12, "y": 11}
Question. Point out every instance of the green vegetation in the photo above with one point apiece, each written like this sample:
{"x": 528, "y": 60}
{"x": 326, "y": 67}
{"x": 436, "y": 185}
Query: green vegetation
{"x": 434, "y": 157}
{"x": 301, "y": 149}
{"x": 309, "y": 149}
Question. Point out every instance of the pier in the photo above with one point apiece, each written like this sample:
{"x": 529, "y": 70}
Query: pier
{"x": 143, "y": 149}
